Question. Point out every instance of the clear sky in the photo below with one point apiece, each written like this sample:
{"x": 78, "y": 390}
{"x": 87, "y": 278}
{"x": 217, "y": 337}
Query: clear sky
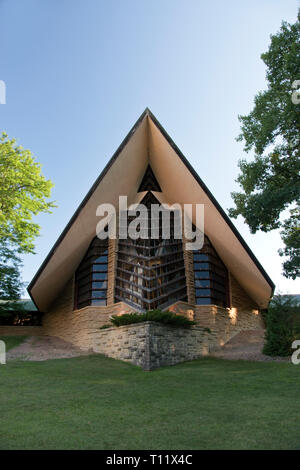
{"x": 80, "y": 72}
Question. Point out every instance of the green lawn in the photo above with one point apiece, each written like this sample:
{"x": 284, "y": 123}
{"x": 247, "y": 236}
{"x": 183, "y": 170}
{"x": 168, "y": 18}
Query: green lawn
{"x": 92, "y": 402}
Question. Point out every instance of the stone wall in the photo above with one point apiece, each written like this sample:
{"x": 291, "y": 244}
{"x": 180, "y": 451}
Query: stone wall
{"x": 127, "y": 343}
{"x": 78, "y": 326}
{"x": 189, "y": 273}
{"x": 151, "y": 345}
{"x": 81, "y": 327}
{"x": 224, "y": 322}
{"x": 243, "y": 314}
{"x": 111, "y": 270}
{"x": 21, "y": 330}
{"x": 239, "y": 298}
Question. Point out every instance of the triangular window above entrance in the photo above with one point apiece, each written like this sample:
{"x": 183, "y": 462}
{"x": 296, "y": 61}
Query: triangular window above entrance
{"x": 149, "y": 182}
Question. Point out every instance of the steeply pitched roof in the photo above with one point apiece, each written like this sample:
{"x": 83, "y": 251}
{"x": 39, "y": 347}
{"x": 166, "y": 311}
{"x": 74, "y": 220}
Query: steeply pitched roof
{"x": 148, "y": 144}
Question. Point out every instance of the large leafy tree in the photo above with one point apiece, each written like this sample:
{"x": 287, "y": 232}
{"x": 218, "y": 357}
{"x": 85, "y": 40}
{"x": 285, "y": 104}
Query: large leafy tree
{"x": 270, "y": 183}
{"x": 23, "y": 194}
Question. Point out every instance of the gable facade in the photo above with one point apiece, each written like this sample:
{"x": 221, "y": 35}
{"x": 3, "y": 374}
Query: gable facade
{"x": 85, "y": 280}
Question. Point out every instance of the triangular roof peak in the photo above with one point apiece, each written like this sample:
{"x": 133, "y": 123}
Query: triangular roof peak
{"x": 148, "y": 144}
{"x": 149, "y": 181}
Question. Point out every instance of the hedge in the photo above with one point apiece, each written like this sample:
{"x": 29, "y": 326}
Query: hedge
{"x": 166, "y": 318}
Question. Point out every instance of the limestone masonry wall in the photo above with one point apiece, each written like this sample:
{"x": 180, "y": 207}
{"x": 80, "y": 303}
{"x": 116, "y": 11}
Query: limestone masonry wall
{"x": 224, "y": 323}
{"x": 189, "y": 273}
{"x": 78, "y": 326}
{"x": 214, "y": 325}
{"x": 151, "y": 345}
{"x": 111, "y": 274}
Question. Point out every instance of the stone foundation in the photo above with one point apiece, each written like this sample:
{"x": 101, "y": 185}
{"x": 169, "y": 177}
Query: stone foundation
{"x": 223, "y": 322}
{"x": 82, "y": 327}
{"x": 151, "y": 345}
{"x": 78, "y": 326}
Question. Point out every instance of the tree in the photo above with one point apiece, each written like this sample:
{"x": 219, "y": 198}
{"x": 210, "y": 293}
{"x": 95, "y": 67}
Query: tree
{"x": 281, "y": 325}
{"x": 271, "y": 182}
{"x": 10, "y": 285}
{"x": 23, "y": 194}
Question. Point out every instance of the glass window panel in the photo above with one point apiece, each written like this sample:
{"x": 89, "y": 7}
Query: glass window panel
{"x": 100, "y": 267}
{"x": 214, "y": 277}
{"x": 202, "y": 283}
{"x": 98, "y": 302}
{"x": 201, "y": 266}
{"x": 203, "y": 292}
{"x": 99, "y": 285}
{"x": 100, "y": 294}
{"x": 145, "y": 264}
{"x": 99, "y": 276}
{"x": 88, "y": 279}
{"x": 200, "y": 257}
{"x": 203, "y": 301}
{"x": 100, "y": 259}
{"x": 202, "y": 274}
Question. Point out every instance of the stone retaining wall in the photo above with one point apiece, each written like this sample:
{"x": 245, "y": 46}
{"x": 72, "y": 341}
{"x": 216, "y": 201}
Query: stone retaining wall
{"x": 21, "y": 331}
{"x": 151, "y": 345}
{"x": 78, "y": 326}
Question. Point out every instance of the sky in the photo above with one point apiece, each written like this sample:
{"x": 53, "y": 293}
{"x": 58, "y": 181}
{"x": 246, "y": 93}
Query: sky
{"x": 79, "y": 73}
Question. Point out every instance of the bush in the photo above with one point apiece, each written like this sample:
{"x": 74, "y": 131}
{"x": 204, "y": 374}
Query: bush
{"x": 103, "y": 327}
{"x": 167, "y": 318}
{"x": 281, "y": 328}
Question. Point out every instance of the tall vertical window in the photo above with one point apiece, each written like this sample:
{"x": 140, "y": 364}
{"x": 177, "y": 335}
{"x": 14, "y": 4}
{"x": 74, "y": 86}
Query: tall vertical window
{"x": 151, "y": 272}
{"x": 211, "y": 277}
{"x": 91, "y": 275}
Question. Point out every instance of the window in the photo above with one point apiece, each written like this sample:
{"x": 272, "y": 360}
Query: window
{"x": 211, "y": 277}
{"x": 149, "y": 182}
{"x": 150, "y": 272}
{"x": 91, "y": 276}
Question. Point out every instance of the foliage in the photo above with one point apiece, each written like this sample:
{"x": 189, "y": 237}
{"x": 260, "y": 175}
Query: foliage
{"x": 291, "y": 238}
{"x": 12, "y": 341}
{"x": 167, "y": 318}
{"x": 271, "y": 182}
{"x": 207, "y": 330}
{"x": 104, "y": 327}
{"x": 23, "y": 190}
{"x": 280, "y": 325}
{"x": 10, "y": 285}
{"x": 23, "y": 194}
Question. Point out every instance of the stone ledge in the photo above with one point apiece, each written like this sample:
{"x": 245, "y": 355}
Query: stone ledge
{"x": 151, "y": 344}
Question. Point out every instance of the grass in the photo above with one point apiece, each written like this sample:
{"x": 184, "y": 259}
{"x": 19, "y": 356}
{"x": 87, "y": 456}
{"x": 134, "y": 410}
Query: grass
{"x": 93, "y": 402}
{"x": 12, "y": 341}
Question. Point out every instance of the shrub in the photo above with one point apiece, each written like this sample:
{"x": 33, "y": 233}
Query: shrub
{"x": 281, "y": 329}
{"x": 103, "y": 327}
{"x": 167, "y": 318}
